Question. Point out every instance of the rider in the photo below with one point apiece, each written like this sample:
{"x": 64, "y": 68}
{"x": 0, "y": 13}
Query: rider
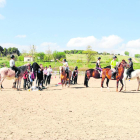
{"x": 65, "y": 64}
{"x": 113, "y": 66}
{"x": 13, "y": 67}
{"x": 98, "y": 66}
{"x": 130, "y": 69}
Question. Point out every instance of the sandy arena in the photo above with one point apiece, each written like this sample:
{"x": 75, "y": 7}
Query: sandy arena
{"x": 75, "y": 113}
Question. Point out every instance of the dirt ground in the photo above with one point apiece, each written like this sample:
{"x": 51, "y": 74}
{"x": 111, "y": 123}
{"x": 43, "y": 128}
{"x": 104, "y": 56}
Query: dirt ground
{"x": 75, "y": 113}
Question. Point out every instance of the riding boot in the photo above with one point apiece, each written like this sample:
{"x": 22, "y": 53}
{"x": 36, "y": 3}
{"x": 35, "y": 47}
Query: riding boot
{"x": 67, "y": 74}
{"x": 113, "y": 75}
{"x": 17, "y": 74}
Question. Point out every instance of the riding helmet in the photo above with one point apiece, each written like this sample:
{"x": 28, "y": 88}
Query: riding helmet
{"x": 76, "y": 68}
{"x": 64, "y": 60}
{"x": 12, "y": 56}
{"x": 114, "y": 56}
{"x": 130, "y": 59}
{"x": 99, "y": 58}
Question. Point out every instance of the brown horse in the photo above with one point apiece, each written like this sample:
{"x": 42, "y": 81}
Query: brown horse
{"x": 63, "y": 76}
{"x": 92, "y": 73}
{"x": 107, "y": 73}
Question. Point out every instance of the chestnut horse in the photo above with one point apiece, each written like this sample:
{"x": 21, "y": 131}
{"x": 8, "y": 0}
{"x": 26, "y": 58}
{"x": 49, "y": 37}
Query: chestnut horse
{"x": 92, "y": 73}
{"x": 107, "y": 73}
{"x": 63, "y": 76}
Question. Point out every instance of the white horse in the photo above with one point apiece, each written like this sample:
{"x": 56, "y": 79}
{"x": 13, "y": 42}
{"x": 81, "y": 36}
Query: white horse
{"x": 134, "y": 75}
{"x": 8, "y": 73}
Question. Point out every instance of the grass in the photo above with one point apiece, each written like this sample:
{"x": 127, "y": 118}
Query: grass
{"x": 72, "y": 60}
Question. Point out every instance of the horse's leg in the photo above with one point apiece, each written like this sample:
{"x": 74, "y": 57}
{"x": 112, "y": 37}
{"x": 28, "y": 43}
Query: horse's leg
{"x": 122, "y": 85}
{"x": 107, "y": 84}
{"x": 2, "y": 79}
{"x": 14, "y": 84}
{"x": 69, "y": 83}
{"x": 102, "y": 81}
{"x": 19, "y": 83}
{"x": 117, "y": 85}
{"x": 138, "y": 80}
{"x": 62, "y": 83}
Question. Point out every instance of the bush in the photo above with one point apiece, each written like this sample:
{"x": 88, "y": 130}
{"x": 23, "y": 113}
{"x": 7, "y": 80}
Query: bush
{"x": 59, "y": 55}
{"x": 126, "y": 53}
{"x": 9, "y": 57}
{"x": 21, "y": 58}
{"x": 137, "y": 55}
{"x": 79, "y": 61}
{"x": 62, "y": 59}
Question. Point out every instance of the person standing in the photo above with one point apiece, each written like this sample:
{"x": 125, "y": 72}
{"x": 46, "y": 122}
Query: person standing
{"x": 49, "y": 74}
{"x": 45, "y": 75}
{"x": 25, "y": 77}
{"x": 130, "y": 69}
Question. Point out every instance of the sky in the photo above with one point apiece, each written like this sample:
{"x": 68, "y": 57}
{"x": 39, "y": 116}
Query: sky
{"x": 106, "y": 25}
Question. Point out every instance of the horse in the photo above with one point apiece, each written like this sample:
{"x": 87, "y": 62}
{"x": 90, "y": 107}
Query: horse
{"x": 92, "y": 73}
{"x": 63, "y": 76}
{"x": 35, "y": 68}
{"x": 8, "y": 73}
{"x": 134, "y": 75}
{"x": 107, "y": 73}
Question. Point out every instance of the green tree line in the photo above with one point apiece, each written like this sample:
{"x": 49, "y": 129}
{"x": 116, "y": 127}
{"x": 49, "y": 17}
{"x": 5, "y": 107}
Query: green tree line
{"x": 9, "y": 51}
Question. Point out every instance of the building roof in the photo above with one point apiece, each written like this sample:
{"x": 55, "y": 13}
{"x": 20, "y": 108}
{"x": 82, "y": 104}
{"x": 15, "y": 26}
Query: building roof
{"x": 28, "y": 56}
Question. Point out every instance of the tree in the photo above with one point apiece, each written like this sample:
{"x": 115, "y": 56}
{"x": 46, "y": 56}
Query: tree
{"x": 1, "y": 49}
{"x": 59, "y": 55}
{"x": 21, "y": 58}
{"x": 32, "y": 51}
{"x": 89, "y": 53}
{"x": 40, "y": 55}
{"x": 5, "y": 52}
{"x": 137, "y": 55}
{"x": 126, "y": 53}
{"x": 49, "y": 55}
{"x": 104, "y": 53}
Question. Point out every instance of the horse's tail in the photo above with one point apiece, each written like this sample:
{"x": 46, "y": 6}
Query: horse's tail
{"x": 85, "y": 80}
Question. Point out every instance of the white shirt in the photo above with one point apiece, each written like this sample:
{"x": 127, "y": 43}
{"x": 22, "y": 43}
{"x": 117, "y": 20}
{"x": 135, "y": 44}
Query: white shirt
{"x": 98, "y": 62}
{"x": 65, "y": 64}
{"x": 49, "y": 71}
{"x": 12, "y": 63}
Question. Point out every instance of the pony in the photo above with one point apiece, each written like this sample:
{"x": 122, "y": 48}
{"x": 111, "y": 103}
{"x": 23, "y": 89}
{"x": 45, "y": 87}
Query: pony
{"x": 8, "y": 73}
{"x": 92, "y": 73}
{"x": 134, "y": 75}
{"x": 63, "y": 76}
{"x": 107, "y": 73}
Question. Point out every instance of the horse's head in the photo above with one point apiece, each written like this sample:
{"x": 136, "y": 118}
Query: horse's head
{"x": 123, "y": 64}
{"x": 29, "y": 67}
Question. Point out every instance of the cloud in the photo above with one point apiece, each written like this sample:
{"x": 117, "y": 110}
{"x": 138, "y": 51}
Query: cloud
{"x": 105, "y": 42}
{"x": 2, "y": 3}
{"x": 132, "y": 46}
{"x": 20, "y": 36}
{"x": 81, "y": 41}
{"x": 1, "y": 17}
